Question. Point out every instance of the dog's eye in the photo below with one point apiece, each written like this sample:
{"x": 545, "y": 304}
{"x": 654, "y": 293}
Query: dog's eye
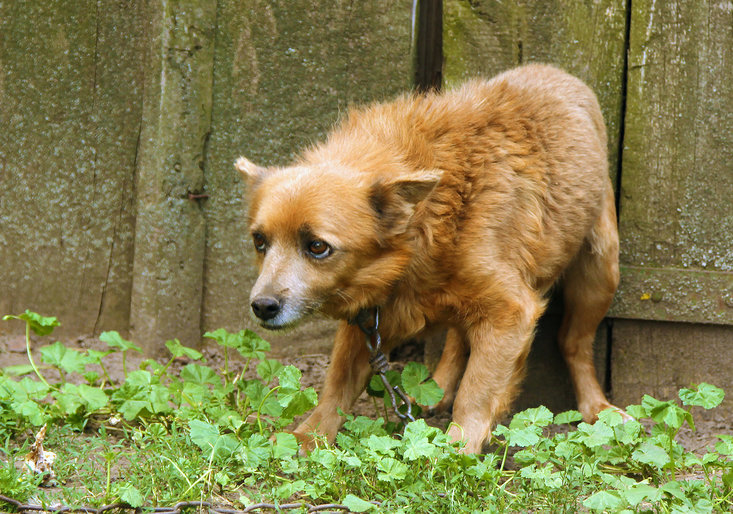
{"x": 319, "y": 249}
{"x": 260, "y": 242}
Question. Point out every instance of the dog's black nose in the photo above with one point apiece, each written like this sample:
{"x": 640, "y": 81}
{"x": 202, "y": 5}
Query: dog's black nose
{"x": 266, "y": 307}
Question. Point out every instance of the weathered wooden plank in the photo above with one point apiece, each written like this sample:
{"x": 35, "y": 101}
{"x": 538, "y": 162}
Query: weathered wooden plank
{"x": 284, "y": 72}
{"x": 659, "y": 358}
{"x": 70, "y": 109}
{"x": 170, "y": 228}
{"x": 677, "y": 183}
{"x": 484, "y": 37}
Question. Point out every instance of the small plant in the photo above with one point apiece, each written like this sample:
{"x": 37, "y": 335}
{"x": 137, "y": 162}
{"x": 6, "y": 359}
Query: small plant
{"x": 161, "y": 436}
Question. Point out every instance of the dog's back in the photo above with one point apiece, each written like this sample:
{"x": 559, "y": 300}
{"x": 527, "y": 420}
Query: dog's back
{"x": 523, "y": 157}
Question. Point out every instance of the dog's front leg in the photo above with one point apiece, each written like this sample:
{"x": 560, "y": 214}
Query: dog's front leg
{"x": 346, "y": 378}
{"x": 495, "y": 368}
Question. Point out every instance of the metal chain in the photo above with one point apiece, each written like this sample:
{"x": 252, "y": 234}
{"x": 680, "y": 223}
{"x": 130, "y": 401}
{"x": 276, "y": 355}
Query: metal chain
{"x": 179, "y": 508}
{"x": 378, "y": 360}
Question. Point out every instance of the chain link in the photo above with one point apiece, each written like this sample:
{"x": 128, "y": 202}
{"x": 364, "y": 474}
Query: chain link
{"x": 378, "y": 360}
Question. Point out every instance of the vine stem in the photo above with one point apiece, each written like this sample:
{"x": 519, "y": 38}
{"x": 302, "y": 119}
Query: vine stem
{"x": 30, "y": 355}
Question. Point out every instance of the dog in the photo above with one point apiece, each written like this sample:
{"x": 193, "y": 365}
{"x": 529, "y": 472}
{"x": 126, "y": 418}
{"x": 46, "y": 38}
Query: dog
{"x": 459, "y": 210}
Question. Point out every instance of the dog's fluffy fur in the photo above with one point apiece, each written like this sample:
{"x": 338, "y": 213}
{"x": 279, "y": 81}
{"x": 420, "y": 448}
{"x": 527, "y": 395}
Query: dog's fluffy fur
{"x": 460, "y": 209}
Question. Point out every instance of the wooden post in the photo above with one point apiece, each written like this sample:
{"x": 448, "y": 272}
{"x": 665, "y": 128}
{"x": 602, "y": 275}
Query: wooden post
{"x": 170, "y": 232}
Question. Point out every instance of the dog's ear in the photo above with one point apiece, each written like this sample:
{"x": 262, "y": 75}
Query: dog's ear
{"x": 393, "y": 199}
{"x": 250, "y": 171}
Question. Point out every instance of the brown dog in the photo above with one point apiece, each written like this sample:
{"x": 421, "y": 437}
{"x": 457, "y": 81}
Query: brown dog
{"x": 459, "y": 209}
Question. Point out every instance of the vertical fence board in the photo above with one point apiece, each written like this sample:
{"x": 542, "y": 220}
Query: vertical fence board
{"x": 284, "y": 72}
{"x": 70, "y": 90}
{"x": 170, "y": 229}
{"x": 677, "y": 184}
{"x": 676, "y": 202}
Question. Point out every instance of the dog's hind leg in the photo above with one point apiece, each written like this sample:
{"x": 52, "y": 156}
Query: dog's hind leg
{"x": 589, "y": 284}
{"x": 450, "y": 368}
{"x": 347, "y": 376}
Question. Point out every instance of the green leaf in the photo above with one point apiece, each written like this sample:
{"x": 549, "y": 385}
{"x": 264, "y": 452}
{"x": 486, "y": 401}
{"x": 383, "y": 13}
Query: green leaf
{"x": 93, "y": 397}
{"x": 289, "y": 378}
{"x": 666, "y": 412}
{"x": 540, "y": 416}
{"x": 68, "y": 399}
{"x": 415, "y": 440}
{"x": 382, "y": 444}
{"x": 604, "y": 500}
{"x": 222, "y": 337}
{"x": 27, "y": 389}
{"x": 199, "y": 374}
{"x": 246, "y": 342}
{"x": 567, "y": 417}
{"x": 31, "y": 411}
{"x": 640, "y": 492}
{"x": 40, "y": 325}
{"x": 207, "y": 437}
{"x": 418, "y": 448}
{"x": 20, "y": 369}
{"x": 139, "y": 379}
{"x": 257, "y": 450}
{"x": 178, "y": 350}
{"x": 376, "y": 386}
{"x": 356, "y": 504}
{"x": 268, "y": 369}
{"x": 525, "y": 428}
{"x": 611, "y": 417}
{"x": 637, "y": 411}
{"x": 416, "y": 384}
{"x": 706, "y": 395}
{"x": 68, "y": 359}
{"x": 296, "y": 403}
{"x": 286, "y": 445}
{"x": 725, "y": 445}
{"x": 261, "y": 399}
{"x": 204, "y": 435}
{"x": 252, "y": 346}
{"x": 596, "y": 434}
{"x": 390, "y": 469}
{"x": 728, "y": 479}
{"x": 95, "y": 356}
{"x": 650, "y": 453}
{"x": 129, "y": 494}
{"x": 115, "y": 340}
{"x": 675, "y": 489}
{"x": 131, "y": 409}
{"x": 159, "y": 397}
{"x": 628, "y": 433}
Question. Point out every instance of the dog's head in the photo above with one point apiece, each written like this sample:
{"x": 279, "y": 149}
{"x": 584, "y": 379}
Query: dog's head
{"x": 328, "y": 240}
